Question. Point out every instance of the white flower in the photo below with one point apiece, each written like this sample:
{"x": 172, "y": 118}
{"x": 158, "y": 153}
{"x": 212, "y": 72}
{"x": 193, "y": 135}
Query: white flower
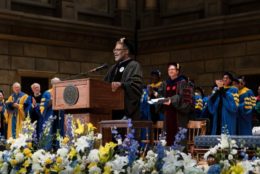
{"x": 4, "y": 168}
{"x": 19, "y": 157}
{"x": 67, "y": 170}
{"x": 94, "y": 170}
{"x": 118, "y": 164}
{"x": 99, "y": 136}
{"x": 212, "y": 151}
{"x": 154, "y": 172}
{"x": 163, "y": 142}
{"x": 188, "y": 161}
{"x": 38, "y": 156}
{"x": 62, "y": 152}
{"x": 37, "y": 168}
{"x": 18, "y": 142}
{"x": 224, "y": 141}
{"x": 193, "y": 170}
{"x": 234, "y": 151}
{"x": 138, "y": 166}
{"x": 82, "y": 143}
{"x": 247, "y": 166}
{"x": 119, "y": 141}
{"x": 1, "y": 157}
{"x": 93, "y": 156}
{"x": 230, "y": 157}
{"x": 171, "y": 162}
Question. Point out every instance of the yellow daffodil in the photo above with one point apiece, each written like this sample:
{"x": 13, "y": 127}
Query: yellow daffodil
{"x": 92, "y": 164}
{"x": 91, "y": 127}
{"x": 65, "y": 140}
{"x": 48, "y": 161}
{"x": 106, "y": 152}
{"x": 111, "y": 145}
{"x": 80, "y": 128}
{"x": 29, "y": 144}
{"x": 13, "y": 162}
{"x": 27, "y": 152}
{"x": 55, "y": 169}
{"x": 59, "y": 160}
{"x": 77, "y": 170}
{"x": 236, "y": 169}
{"x": 26, "y": 163}
{"x": 107, "y": 170}
{"x": 22, "y": 170}
{"x": 46, "y": 171}
{"x": 72, "y": 153}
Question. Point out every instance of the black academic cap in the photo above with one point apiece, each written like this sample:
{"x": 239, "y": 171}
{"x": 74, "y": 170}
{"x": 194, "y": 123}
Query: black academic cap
{"x": 156, "y": 72}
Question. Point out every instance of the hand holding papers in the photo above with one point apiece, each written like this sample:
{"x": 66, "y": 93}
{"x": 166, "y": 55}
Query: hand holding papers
{"x": 158, "y": 101}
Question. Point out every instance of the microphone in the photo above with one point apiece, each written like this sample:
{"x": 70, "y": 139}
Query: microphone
{"x": 99, "y": 68}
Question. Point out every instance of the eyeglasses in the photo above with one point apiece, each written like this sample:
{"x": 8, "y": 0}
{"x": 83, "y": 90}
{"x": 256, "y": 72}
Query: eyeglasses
{"x": 114, "y": 50}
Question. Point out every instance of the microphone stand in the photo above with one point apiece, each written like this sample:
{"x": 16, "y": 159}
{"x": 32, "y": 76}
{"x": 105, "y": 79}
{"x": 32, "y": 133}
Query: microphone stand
{"x": 84, "y": 73}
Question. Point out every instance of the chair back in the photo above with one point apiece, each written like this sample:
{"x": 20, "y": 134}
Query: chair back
{"x": 195, "y": 128}
{"x": 158, "y": 128}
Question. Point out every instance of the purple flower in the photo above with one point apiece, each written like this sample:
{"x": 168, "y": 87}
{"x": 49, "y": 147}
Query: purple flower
{"x": 178, "y": 138}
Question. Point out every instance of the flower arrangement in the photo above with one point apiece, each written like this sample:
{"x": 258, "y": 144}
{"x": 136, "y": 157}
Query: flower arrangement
{"x": 225, "y": 158}
{"x": 80, "y": 152}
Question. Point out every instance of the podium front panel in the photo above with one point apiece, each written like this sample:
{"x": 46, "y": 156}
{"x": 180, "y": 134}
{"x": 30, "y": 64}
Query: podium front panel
{"x": 86, "y": 94}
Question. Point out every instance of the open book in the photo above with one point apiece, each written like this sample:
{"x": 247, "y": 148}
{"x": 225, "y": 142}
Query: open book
{"x": 158, "y": 100}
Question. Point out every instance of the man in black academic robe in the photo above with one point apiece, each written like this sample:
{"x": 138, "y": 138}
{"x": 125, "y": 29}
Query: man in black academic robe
{"x": 126, "y": 74}
{"x": 35, "y": 113}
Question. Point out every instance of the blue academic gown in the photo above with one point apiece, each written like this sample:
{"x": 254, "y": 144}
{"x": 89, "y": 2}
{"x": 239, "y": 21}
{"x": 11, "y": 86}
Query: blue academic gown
{"x": 198, "y": 105}
{"x": 246, "y": 102}
{"x": 47, "y": 111}
{"x": 223, "y": 105}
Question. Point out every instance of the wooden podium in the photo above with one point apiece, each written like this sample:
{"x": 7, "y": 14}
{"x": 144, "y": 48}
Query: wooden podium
{"x": 90, "y": 100}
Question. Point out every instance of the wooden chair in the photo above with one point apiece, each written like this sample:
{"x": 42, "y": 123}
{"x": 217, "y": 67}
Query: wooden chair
{"x": 157, "y": 130}
{"x": 195, "y": 128}
{"x": 124, "y": 124}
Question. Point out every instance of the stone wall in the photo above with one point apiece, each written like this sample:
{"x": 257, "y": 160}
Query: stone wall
{"x": 205, "y": 49}
{"x": 48, "y": 47}
{"x": 46, "y": 38}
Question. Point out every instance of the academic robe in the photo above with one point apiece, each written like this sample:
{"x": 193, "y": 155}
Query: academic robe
{"x": 178, "y": 113}
{"x": 2, "y": 119}
{"x": 156, "y": 115}
{"x": 198, "y": 105}
{"x": 35, "y": 113}
{"x": 223, "y": 105}
{"x": 129, "y": 73}
{"x": 15, "y": 116}
{"x": 247, "y": 101}
{"x": 47, "y": 111}
{"x": 257, "y": 108}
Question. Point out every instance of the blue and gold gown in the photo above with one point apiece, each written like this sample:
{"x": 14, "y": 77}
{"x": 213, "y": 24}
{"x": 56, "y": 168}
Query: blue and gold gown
{"x": 223, "y": 105}
{"x": 247, "y": 101}
{"x": 15, "y": 116}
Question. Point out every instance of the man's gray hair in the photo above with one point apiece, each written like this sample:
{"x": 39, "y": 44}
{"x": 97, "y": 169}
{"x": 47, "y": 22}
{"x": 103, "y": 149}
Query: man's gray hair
{"x": 35, "y": 84}
{"x": 55, "y": 80}
{"x": 17, "y": 84}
